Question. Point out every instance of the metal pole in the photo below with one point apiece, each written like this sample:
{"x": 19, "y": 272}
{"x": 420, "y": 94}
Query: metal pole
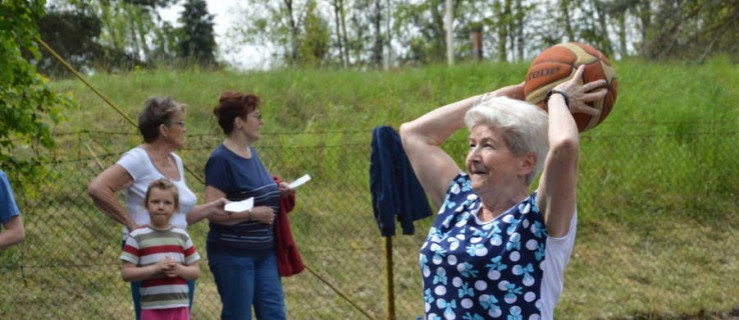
{"x": 390, "y": 282}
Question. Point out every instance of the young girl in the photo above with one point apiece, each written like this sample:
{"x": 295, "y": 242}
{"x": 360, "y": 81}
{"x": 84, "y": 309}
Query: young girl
{"x": 162, "y": 256}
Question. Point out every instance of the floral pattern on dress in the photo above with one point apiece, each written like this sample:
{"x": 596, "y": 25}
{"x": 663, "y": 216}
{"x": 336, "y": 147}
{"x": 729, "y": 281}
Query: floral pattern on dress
{"x": 488, "y": 270}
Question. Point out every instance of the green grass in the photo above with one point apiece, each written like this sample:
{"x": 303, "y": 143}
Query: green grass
{"x": 658, "y": 186}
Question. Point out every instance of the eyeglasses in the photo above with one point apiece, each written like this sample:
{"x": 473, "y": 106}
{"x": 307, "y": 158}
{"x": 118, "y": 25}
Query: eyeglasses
{"x": 180, "y": 123}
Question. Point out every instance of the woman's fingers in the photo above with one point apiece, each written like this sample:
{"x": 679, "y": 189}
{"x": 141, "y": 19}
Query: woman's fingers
{"x": 580, "y": 105}
{"x": 578, "y": 74}
{"x": 594, "y": 85}
{"x": 587, "y": 110}
{"x": 595, "y": 95}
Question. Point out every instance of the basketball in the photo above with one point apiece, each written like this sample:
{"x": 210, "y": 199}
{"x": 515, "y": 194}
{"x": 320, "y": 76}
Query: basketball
{"x": 558, "y": 64}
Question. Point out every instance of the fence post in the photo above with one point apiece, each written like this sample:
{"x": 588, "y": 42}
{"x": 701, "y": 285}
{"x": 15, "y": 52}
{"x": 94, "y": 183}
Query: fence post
{"x": 390, "y": 282}
{"x": 476, "y": 37}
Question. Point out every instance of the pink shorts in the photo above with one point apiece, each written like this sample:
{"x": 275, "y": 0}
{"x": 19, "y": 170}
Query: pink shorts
{"x": 182, "y": 313}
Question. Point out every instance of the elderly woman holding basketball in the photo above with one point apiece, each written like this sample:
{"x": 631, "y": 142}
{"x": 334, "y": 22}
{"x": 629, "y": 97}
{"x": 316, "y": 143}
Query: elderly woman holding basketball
{"x": 496, "y": 250}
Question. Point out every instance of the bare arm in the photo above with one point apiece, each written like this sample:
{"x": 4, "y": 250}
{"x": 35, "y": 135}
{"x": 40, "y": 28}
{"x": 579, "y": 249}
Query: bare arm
{"x": 209, "y": 209}
{"x": 13, "y": 232}
{"x": 557, "y": 196}
{"x": 103, "y": 191}
{"x": 422, "y": 139}
{"x": 262, "y": 214}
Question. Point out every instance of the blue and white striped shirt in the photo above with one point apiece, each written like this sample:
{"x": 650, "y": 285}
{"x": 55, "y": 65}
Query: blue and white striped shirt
{"x": 240, "y": 178}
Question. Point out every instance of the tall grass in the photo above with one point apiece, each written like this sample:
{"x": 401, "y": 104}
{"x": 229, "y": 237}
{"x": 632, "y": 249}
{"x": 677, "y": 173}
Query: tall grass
{"x": 658, "y": 182}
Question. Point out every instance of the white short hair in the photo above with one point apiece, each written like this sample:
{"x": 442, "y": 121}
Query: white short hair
{"x": 524, "y": 126}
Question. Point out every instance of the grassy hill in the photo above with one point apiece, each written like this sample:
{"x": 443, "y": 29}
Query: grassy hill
{"x": 658, "y": 187}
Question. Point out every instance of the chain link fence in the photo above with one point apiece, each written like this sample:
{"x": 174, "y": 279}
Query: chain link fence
{"x": 68, "y": 267}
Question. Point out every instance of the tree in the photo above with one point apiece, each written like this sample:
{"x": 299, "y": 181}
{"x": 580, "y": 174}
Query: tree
{"x": 315, "y": 40}
{"x": 277, "y": 24}
{"x": 691, "y": 29}
{"x": 425, "y": 22}
{"x": 151, "y": 3}
{"x": 593, "y": 28}
{"x": 378, "y": 38}
{"x": 618, "y": 10}
{"x": 513, "y": 30}
{"x": 126, "y": 26}
{"x": 132, "y": 32}
{"x": 164, "y": 44}
{"x": 564, "y": 7}
{"x": 517, "y": 23}
{"x": 340, "y": 27}
{"x": 503, "y": 12}
{"x": 360, "y": 37}
{"x": 73, "y": 35}
{"x": 27, "y": 106}
{"x": 197, "y": 39}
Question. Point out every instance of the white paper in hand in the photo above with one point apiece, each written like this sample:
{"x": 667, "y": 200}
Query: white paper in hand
{"x": 239, "y": 206}
{"x": 299, "y": 182}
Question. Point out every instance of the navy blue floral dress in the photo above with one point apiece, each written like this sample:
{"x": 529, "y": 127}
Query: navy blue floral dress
{"x": 483, "y": 270}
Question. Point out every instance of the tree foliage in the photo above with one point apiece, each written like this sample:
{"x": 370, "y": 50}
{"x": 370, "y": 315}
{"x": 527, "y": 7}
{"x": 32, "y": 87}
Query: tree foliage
{"x": 119, "y": 34}
{"x": 197, "y": 40}
{"x": 314, "y": 40}
{"x": 127, "y": 31}
{"x": 73, "y": 35}
{"x": 426, "y": 21}
{"x": 278, "y": 24}
{"x": 691, "y": 29}
{"x": 359, "y": 38}
{"x": 27, "y": 106}
{"x": 108, "y": 35}
{"x": 151, "y": 3}
{"x": 513, "y": 30}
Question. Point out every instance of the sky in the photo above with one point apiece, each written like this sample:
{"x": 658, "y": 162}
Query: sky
{"x": 241, "y": 57}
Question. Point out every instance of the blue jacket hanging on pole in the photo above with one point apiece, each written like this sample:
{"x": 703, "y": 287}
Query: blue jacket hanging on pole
{"x": 394, "y": 186}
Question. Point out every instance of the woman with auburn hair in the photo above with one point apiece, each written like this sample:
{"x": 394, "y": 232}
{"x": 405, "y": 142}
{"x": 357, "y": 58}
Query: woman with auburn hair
{"x": 241, "y": 246}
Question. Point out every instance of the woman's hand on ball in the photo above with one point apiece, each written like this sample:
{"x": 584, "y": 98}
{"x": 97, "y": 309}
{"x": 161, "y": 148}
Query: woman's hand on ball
{"x": 580, "y": 94}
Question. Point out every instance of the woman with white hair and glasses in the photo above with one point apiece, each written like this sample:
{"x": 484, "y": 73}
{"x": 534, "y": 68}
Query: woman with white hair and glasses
{"x": 496, "y": 249}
